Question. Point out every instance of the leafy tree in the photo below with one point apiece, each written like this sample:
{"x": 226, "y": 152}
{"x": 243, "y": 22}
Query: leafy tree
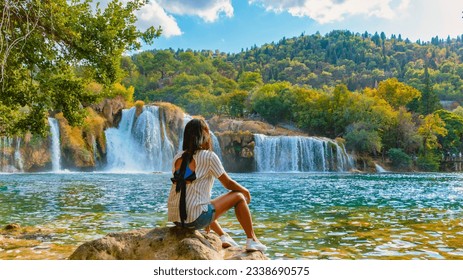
{"x": 163, "y": 62}
{"x": 431, "y": 127}
{"x": 397, "y": 94}
{"x": 249, "y": 80}
{"x": 452, "y": 142}
{"x": 42, "y": 42}
{"x": 268, "y": 102}
{"x": 362, "y": 138}
{"x": 429, "y": 100}
{"x": 236, "y": 103}
{"x": 399, "y": 159}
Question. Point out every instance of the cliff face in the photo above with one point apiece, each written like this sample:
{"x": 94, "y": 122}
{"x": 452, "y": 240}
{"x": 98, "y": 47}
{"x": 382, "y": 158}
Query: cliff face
{"x": 172, "y": 117}
{"x": 237, "y": 150}
{"x": 111, "y": 110}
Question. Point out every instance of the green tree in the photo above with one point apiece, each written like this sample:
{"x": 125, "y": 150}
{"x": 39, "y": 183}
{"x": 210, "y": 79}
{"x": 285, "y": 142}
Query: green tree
{"x": 399, "y": 159}
{"x": 363, "y": 139}
{"x": 269, "y": 103}
{"x": 429, "y": 100}
{"x": 250, "y": 80}
{"x": 43, "y": 42}
{"x": 452, "y": 142}
{"x": 431, "y": 127}
{"x": 397, "y": 94}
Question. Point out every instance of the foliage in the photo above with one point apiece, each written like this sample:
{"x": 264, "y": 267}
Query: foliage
{"x": 430, "y": 129}
{"x": 453, "y": 140}
{"x": 49, "y": 51}
{"x": 363, "y": 139}
{"x": 400, "y": 160}
{"x": 428, "y": 162}
{"x": 397, "y": 94}
{"x": 268, "y": 102}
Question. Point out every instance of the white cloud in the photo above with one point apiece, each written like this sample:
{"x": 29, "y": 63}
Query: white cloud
{"x": 326, "y": 11}
{"x": 153, "y": 14}
{"x": 208, "y": 10}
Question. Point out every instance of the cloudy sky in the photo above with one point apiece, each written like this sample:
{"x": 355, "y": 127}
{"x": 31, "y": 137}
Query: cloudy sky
{"x": 230, "y": 26}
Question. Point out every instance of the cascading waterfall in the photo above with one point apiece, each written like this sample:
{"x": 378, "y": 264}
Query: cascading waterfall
{"x": 216, "y": 145}
{"x": 18, "y": 159}
{"x": 140, "y": 144}
{"x": 297, "y": 153}
{"x": 55, "y": 145}
{"x": 10, "y": 154}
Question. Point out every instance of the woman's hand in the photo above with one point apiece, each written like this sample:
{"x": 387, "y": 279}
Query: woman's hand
{"x": 247, "y": 195}
{"x": 232, "y": 185}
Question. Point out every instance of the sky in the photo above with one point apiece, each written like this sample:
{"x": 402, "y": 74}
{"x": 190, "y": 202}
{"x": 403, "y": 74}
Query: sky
{"x": 232, "y": 25}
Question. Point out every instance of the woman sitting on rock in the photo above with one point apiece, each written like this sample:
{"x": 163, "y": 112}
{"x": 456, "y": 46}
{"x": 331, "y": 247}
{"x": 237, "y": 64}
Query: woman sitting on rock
{"x": 190, "y": 203}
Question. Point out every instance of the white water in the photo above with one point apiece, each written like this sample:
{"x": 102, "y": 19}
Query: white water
{"x": 55, "y": 145}
{"x": 140, "y": 144}
{"x": 380, "y": 169}
{"x": 297, "y": 153}
{"x": 18, "y": 159}
{"x": 10, "y": 154}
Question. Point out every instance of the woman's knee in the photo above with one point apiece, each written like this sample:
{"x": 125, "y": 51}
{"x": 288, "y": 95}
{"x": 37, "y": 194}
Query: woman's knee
{"x": 239, "y": 198}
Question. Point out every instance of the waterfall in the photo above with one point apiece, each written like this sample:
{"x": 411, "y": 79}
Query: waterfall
{"x": 55, "y": 145}
{"x": 10, "y": 154}
{"x": 17, "y": 155}
{"x": 216, "y": 145}
{"x": 380, "y": 169}
{"x": 140, "y": 144}
{"x": 299, "y": 154}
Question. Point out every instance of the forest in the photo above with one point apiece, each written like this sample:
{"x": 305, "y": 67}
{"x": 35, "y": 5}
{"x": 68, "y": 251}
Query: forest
{"x": 383, "y": 96}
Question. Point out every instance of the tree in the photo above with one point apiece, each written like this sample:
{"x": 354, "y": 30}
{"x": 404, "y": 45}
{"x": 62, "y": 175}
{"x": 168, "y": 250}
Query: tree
{"x": 362, "y": 138}
{"x": 269, "y": 103}
{"x": 43, "y": 42}
{"x": 396, "y": 93}
{"x": 163, "y": 62}
{"x": 250, "y": 80}
{"x": 431, "y": 127}
{"x": 429, "y": 100}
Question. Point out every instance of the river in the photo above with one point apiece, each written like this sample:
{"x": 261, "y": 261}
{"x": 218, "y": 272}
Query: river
{"x": 298, "y": 215}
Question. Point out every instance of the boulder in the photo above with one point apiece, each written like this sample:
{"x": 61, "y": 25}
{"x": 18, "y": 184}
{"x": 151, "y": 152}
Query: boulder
{"x": 167, "y": 243}
{"x": 12, "y": 227}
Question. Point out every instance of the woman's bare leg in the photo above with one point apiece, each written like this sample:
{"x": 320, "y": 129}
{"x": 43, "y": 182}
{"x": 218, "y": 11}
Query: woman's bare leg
{"x": 235, "y": 199}
{"x": 217, "y": 228}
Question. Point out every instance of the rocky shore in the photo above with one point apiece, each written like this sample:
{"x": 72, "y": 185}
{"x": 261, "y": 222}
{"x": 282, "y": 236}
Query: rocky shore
{"x": 163, "y": 243}
{"x": 166, "y": 243}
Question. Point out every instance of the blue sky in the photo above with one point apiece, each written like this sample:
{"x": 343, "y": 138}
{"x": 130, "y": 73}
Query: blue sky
{"x": 232, "y": 25}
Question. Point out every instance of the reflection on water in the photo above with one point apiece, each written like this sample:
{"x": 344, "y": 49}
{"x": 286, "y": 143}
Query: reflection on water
{"x": 299, "y": 215}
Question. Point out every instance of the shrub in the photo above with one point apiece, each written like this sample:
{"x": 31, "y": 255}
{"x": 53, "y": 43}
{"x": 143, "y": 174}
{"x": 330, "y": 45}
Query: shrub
{"x": 428, "y": 163}
{"x": 400, "y": 160}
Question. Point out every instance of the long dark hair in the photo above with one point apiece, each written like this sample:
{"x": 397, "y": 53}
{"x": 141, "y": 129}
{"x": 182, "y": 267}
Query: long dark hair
{"x": 196, "y": 137}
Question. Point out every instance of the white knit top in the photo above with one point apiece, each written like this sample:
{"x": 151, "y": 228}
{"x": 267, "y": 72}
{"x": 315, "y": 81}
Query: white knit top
{"x": 198, "y": 193}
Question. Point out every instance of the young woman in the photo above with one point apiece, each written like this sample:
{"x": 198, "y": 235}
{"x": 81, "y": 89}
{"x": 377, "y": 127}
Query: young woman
{"x": 190, "y": 204}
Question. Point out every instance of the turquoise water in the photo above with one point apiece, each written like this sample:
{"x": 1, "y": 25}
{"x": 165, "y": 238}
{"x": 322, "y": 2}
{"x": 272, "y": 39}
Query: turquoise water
{"x": 298, "y": 215}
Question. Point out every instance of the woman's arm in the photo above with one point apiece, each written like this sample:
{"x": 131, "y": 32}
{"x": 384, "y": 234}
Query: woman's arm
{"x": 232, "y": 185}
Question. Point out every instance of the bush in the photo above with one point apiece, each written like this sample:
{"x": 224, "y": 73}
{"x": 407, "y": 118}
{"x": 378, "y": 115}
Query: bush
{"x": 428, "y": 163}
{"x": 400, "y": 160}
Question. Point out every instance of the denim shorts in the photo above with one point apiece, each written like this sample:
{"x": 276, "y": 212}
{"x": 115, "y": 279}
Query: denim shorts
{"x": 205, "y": 219}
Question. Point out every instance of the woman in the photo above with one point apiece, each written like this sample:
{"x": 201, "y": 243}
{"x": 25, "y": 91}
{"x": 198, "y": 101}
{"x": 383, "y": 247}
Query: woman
{"x": 190, "y": 203}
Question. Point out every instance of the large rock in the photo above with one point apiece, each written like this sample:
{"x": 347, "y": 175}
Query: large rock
{"x": 167, "y": 243}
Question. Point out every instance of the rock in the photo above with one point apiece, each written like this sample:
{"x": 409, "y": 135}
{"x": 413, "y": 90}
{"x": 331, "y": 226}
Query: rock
{"x": 167, "y": 243}
{"x": 12, "y": 227}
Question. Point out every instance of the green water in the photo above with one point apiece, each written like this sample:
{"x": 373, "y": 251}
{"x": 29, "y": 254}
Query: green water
{"x": 298, "y": 215}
